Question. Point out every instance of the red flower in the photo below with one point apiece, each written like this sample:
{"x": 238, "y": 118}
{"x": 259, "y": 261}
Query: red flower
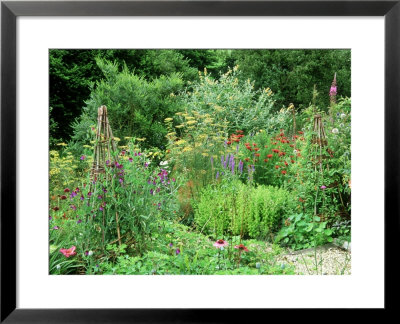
{"x": 265, "y": 160}
{"x": 256, "y": 149}
{"x": 229, "y": 142}
{"x": 300, "y": 132}
{"x": 247, "y": 159}
{"x": 257, "y": 154}
{"x": 254, "y": 144}
{"x": 249, "y": 148}
{"x": 286, "y": 163}
{"x": 291, "y": 145}
{"x": 266, "y": 146}
{"x": 276, "y": 166}
{"x": 283, "y": 172}
{"x": 292, "y": 161}
{"x": 63, "y": 197}
{"x": 247, "y": 144}
{"x": 282, "y": 153}
{"x": 269, "y": 156}
{"x": 241, "y": 247}
{"x": 56, "y": 208}
{"x": 66, "y": 190}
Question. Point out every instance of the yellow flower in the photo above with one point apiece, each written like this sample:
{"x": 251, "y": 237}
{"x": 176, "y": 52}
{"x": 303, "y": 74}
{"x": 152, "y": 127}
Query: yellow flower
{"x": 180, "y": 142}
{"x": 180, "y": 126}
{"x": 127, "y": 137}
{"x": 204, "y": 154}
{"x": 123, "y": 147}
{"x": 191, "y": 122}
{"x": 88, "y": 146}
{"x": 116, "y": 139}
{"x": 168, "y": 119}
{"x": 187, "y": 149}
{"x": 141, "y": 139}
{"x": 62, "y": 144}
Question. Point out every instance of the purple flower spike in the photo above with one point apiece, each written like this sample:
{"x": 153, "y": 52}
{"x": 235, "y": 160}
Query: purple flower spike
{"x": 217, "y": 175}
{"x": 83, "y": 157}
{"x": 177, "y": 251}
{"x": 56, "y": 228}
{"x": 240, "y": 166}
{"x": 79, "y": 221}
{"x": 171, "y": 245}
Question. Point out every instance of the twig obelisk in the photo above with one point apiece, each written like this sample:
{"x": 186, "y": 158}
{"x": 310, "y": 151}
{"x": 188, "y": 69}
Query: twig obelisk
{"x": 104, "y": 145}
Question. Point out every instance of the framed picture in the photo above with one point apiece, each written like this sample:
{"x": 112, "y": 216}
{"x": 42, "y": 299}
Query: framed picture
{"x": 34, "y": 37}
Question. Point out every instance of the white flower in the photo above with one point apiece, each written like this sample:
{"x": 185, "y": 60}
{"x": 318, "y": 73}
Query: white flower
{"x": 342, "y": 115}
{"x": 90, "y": 253}
{"x": 58, "y": 267}
{"x": 295, "y": 151}
{"x": 335, "y": 131}
{"x": 163, "y": 162}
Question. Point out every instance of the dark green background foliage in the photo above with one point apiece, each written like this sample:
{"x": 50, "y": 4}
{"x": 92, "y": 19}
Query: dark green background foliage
{"x": 291, "y": 74}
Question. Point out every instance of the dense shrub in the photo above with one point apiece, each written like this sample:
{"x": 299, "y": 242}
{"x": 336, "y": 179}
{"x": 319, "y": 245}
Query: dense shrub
{"x": 230, "y": 100}
{"x": 239, "y": 209}
{"x": 136, "y": 107}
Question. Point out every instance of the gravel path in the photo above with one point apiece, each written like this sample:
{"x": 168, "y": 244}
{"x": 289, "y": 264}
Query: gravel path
{"x": 326, "y": 260}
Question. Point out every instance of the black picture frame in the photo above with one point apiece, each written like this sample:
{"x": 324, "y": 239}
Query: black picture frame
{"x": 10, "y": 10}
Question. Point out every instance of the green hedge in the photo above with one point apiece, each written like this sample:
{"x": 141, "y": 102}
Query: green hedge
{"x": 221, "y": 208}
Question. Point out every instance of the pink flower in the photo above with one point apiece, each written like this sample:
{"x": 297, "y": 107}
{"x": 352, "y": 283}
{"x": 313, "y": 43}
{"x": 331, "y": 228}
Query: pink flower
{"x": 323, "y": 187}
{"x": 333, "y": 91}
{"x": 68, "y": 252}
{"x": 220, "y": 244}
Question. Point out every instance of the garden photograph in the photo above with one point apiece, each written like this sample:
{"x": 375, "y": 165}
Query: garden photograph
{"x": 199, "y": 162}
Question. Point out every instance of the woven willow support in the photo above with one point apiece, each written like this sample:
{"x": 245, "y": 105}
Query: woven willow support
{"x": 319, "y": 137}
{"x": 105, "y": 149}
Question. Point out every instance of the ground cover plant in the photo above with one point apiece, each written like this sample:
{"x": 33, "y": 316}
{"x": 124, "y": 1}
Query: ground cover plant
{"x": 197, "y": 171}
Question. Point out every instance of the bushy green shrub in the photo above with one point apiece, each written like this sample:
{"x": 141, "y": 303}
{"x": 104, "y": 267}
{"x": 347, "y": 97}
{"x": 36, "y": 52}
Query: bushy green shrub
{"x": 237, "y": 208}
{"x": 136, "y": 107}
{"x": 230, "y": 100}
